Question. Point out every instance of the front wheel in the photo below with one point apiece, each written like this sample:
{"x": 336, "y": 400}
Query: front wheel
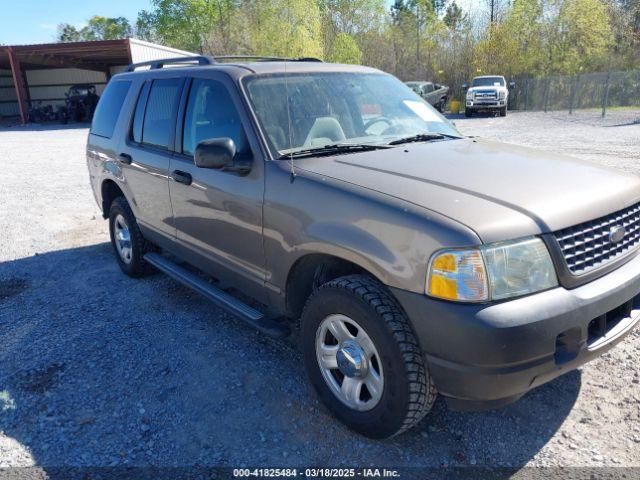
{"x": 503, "y": 112}
{"x": 363, "y": 359}
{"x": 468, "y": 112}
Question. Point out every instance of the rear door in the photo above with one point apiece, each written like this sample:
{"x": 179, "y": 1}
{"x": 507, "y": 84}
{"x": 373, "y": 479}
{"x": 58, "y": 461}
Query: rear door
{"x": 218, "y": 214}
{"x": 148, "y": 149}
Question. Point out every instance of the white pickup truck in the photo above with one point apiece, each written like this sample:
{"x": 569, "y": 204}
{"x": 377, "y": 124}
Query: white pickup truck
{"x": 487, "y": 93}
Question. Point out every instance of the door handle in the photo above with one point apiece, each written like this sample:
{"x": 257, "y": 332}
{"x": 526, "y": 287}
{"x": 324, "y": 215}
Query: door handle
{"x": 125, "y": 158}
{"x": 181, "y": 177}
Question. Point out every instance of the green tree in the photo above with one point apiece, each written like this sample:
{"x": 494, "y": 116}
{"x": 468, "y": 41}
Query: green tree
{"x": 185, "y": 24}
{"x": 421, "y": 39}
{"x": 288, "y": 28}
{"x": 579, "y": 37}
{"x": 454, "y": 16}
{"x": 345, "y": 50}
{"x": 145, "y": 26}
{"x": 522, "y": 37}
{"x": 356, "y": 18}
{"x": 68, "y": 33}
{"x": 97, "y": 28}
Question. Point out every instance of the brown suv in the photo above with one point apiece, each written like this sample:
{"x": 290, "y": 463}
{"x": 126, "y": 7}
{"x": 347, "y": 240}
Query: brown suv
{"x": 413, "y": 260}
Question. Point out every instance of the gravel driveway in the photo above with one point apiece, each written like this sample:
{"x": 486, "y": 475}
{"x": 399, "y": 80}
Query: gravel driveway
{"x": 97, "y": 369}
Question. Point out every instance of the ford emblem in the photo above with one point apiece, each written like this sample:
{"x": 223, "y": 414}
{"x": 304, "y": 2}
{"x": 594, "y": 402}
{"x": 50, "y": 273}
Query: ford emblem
{"x": 616, "y": 234}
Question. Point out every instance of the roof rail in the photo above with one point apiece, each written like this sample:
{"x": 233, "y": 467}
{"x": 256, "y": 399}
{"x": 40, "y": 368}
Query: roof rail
{"x": 206, "y": 60}
{"x": 155, "y": 64}
{"x": 261, "y": 58}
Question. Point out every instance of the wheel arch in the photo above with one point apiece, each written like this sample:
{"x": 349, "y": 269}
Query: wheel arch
{"x": 109, "y": 191}
{"x": 310, "y": 271}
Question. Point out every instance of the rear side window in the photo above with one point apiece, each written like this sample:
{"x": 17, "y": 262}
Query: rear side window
{"x": 160, "y": 112}
{"x": 108, "y": 109}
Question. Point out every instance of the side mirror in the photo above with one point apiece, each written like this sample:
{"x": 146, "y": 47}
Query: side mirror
{"x": 465, "y": 86}
{"x": 220, "y": 154}
{"x": 512, "y": 84}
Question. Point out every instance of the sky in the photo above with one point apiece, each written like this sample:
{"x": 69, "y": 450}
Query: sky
{"x": 36, "y": 21}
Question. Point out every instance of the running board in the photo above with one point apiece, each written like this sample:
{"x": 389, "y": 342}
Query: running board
{"x": 219, "y": 297}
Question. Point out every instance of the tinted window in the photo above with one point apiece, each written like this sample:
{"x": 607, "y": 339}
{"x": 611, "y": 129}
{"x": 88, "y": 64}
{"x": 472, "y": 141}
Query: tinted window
{"x": 109, "y": 106}
{"x": 211, "y": 113}
{"x": 136, "y": 133}
{"x": 160, "y": 112}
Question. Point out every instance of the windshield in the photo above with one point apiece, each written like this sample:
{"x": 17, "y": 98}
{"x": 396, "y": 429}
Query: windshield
{"x": 339, "y": 108}
{"x": 488, "y": 82}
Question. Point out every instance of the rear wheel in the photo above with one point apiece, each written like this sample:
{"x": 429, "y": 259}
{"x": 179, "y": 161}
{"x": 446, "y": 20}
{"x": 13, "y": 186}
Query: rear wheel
{"x": 126, "y": 239}
{"x": 363, "y": 358}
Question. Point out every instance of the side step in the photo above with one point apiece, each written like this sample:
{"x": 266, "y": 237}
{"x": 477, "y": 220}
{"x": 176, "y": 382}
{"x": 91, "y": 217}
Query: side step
{"x": 219, "y": 297}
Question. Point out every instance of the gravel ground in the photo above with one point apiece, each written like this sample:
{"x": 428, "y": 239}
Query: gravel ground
{"x": 97, "y": 369}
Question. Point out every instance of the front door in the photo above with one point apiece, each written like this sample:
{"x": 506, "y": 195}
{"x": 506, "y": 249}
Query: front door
{"x": 218, "y": 214}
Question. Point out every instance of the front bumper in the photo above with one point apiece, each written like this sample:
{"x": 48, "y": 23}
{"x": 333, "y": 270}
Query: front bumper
{"x": 482, "y": 356}
{"x": 485, "y": 104}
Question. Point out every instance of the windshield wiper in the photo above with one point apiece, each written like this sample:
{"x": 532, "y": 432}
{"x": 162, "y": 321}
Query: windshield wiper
{"x": 422, "y": 137}
{"x": 336, "y": 148}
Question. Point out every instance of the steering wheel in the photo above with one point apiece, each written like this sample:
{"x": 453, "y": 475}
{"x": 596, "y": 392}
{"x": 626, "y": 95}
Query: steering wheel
{"x": 393, "y": 130}
{"x": 373, "y": 121}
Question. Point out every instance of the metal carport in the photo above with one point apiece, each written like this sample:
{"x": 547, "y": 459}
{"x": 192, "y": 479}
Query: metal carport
{"x": 42, "y": 72}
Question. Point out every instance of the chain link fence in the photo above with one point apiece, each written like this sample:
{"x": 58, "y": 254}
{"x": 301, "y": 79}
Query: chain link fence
{"x": 590, "y": 90}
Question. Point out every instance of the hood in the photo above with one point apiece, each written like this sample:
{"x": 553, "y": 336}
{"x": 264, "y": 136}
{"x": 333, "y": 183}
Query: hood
{"x": 500, "y": 191}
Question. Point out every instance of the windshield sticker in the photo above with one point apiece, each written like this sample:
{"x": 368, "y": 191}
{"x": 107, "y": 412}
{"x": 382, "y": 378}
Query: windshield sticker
{"x": 424, "y": 112}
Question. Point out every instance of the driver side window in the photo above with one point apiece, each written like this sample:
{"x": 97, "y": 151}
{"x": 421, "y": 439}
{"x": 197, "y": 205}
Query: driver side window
{"x": 211, "y": 113}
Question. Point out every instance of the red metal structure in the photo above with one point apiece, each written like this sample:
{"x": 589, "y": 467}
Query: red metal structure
{"x": 97, "y": 55}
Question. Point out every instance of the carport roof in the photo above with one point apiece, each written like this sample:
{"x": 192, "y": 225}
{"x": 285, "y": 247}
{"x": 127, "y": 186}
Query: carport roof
{"x": 95, "y": 55}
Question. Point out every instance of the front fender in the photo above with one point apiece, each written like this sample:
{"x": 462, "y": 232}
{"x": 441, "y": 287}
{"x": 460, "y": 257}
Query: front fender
{"x": 390, "y": 238}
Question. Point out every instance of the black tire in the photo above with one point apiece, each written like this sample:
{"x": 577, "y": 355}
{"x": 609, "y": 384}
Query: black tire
{"x": 408, "y": 391}
{"x": 468, "y": 112}
{"x": 503, "y": 112}
{"x": 136, "y": 267}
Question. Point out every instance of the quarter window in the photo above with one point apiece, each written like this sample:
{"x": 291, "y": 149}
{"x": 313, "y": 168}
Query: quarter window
{"x": 211, "y": 113}
{"x": 108, "y": 109}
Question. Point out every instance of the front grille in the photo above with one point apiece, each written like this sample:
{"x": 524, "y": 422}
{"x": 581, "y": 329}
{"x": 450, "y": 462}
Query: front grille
{"x": 488, "y": 94}
{"x": 587, "y": 246}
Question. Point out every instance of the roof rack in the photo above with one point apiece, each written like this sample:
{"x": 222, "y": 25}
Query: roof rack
{"x": 266, "y": 59}
{"x": 155, "y": 64}
{"x": 207, "y": 60}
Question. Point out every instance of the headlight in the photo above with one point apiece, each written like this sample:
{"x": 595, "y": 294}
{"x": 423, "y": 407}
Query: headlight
{"x": 458, "y": 275}
{"x": 491, "y": 272}
{"x": 469, "y": 95}
{"x": 502, "y": 94}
